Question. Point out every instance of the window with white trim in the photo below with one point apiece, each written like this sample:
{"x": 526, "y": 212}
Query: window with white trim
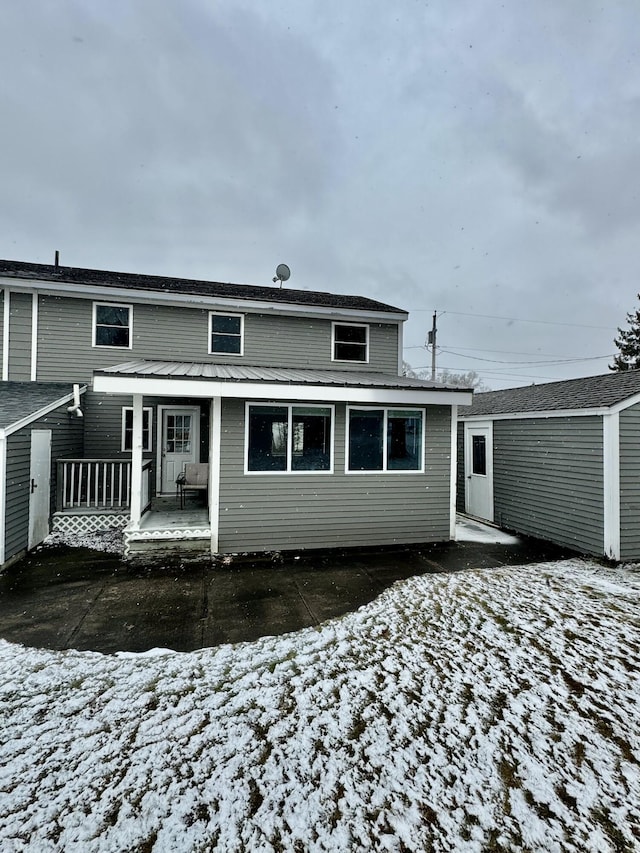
{"x": 385, "y": 439}
{"x": 350, "y": 342}
{"x": 226, "y": 333}
{"x": 288, "y": 438}
{"x": 112, "y": 325}
{"x": 127, "y": 428}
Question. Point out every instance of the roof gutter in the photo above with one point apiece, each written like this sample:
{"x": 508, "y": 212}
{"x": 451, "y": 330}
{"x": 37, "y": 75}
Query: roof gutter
{"x": 159, "y": 297}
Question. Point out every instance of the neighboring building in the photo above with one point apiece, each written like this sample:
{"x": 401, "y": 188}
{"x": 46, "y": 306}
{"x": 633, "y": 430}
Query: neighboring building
{"x": 294, "y": 400}
{"x": 35, "y": 427}
{"x": 559, "y": 461}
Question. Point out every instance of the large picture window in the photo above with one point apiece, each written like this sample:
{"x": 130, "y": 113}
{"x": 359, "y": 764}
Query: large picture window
{"x": 289, "y": 438}
{"x": 226, "y": 333}
{"x": 112, "y": 325}
{"x": 385, "y": 439}
{"x": 350, "y": 342}
{"x": 127, "y": 428}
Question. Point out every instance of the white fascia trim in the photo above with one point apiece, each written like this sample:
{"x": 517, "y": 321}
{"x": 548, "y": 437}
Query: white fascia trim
{"x": 453, "y": 473}
{"x": 118, "y": 384}
{"x": 34, "y": 416}
{"x": 550, "y": 413}
{"x": 625, "y": 404}
{"x": 5, "y": 333}
{"x": 3, "y": 495}
{"x": 34, "y": 336}
{"x": 611, "y": 484}
{"x": 157, "y": 297}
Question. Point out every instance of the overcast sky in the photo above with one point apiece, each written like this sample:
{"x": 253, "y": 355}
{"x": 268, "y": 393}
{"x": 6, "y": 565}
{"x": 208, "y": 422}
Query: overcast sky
{"x": 477, "y": 157}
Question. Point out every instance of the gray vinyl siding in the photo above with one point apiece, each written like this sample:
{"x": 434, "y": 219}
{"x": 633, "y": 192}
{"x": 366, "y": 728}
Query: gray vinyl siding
{"x": 20, "y": 337}
{"x": 264, "y": 512}
{"x": 103, "y": 423}
{"x": 630, "y": 483}
{"x": 167, "y": 333}
{"x": 66, "y": 442}
{"x": 548, "y": 480}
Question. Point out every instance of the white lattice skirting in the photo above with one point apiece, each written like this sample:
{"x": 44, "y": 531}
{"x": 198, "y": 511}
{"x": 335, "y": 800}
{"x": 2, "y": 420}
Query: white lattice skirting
{"x": 65, "y": 522}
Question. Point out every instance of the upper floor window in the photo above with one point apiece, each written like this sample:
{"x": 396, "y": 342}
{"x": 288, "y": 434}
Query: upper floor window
{"x": 385, "y": 439}
{"x": 112, "y": 325}
{"x": 127, "y": 428}
{"x": 226, "y": 334}
{"x": 350, "y": 342}
{"x": 289, "y": 438}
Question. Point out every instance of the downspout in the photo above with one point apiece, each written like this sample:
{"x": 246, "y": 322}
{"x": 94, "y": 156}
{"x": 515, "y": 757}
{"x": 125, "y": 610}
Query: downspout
{"x": 34, "y": 337}
{"x": 611, "y": 484}
{"x": 453, "y": 473}
{"x": 5, "y": 334}
{"x": 75, "y": 409}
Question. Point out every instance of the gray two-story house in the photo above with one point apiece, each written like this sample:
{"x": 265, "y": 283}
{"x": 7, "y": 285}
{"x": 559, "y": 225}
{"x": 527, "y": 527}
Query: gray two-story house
{"x": 292, "y": 402}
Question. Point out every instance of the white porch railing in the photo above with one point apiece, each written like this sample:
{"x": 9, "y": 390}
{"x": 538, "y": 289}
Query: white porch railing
{"x": 99, "y": 484}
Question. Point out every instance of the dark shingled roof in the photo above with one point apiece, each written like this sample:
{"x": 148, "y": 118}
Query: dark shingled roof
{"x": 589, "y": 392}
{"x": 19, "y": 400}
{"x": 132, "y": 281}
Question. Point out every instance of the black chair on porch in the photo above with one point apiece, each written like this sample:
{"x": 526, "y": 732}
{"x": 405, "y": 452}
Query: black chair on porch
{"x": 194, "y": 478}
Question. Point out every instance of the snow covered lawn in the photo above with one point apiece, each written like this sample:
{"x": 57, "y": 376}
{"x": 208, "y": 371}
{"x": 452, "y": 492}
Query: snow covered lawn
{"x": 483, "y": 710}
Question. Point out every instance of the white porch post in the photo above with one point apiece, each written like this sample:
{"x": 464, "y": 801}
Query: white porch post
{"x": 214, "y": 471}
{"x": 136, "y": 462}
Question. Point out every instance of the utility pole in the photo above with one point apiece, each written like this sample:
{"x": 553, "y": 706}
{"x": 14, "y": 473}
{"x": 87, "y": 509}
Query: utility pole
{"x": 432, "y": 342}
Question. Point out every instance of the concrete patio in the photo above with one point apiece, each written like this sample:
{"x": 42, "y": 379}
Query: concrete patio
{"x": 62, "y": 598}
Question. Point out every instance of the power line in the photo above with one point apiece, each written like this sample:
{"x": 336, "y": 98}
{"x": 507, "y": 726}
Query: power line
{"x": 508, "y": 352}
{"x": 519, "y": 319}
{"x": 529, "y": 363}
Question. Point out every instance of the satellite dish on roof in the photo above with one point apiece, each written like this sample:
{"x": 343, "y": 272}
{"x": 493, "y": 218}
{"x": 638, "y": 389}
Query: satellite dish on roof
{"x": 282, "y": 273}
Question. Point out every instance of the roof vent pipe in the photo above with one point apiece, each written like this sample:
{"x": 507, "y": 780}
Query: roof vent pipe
{"x": 75, "y": 408}
{"x": 56, "y": 261}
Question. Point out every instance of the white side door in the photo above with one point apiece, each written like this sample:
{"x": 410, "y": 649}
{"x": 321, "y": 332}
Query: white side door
{"x": 39, "y": 486}
{"x": 478, "y": 469}
{"x": 179, "y": 442}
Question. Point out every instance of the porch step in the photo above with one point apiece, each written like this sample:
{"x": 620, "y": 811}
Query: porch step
{"x": 162, "y": 532}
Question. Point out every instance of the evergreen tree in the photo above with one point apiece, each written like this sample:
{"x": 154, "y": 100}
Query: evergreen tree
{"x": 628, "y": 343}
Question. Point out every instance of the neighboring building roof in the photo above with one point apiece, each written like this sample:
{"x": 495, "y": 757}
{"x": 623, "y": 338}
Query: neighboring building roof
{"x": 589, "y": 392}
{"x": 162, "y": 284}
{"x": 277, "y": 375}
{"x": 24, "y": 401}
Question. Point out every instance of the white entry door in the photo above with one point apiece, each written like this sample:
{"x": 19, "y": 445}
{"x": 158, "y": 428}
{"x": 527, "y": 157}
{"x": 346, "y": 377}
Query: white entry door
{"x": 180, "y": 443}
{"x": 39, "y": 486}
{"x": 478, "y": 469}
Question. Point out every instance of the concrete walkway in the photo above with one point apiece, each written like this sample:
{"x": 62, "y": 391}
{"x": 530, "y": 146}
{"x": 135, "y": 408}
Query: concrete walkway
{"x": 61, "y": 598}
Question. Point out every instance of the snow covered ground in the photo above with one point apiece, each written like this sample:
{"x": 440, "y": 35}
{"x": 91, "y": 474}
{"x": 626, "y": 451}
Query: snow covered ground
{"x": 478, "y": 711}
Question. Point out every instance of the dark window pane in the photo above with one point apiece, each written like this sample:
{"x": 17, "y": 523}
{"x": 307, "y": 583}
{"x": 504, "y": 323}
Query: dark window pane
{"x": 225, "y": 343}
{"x": 268, "y": 438}
{"x": 128, "y": 429}
{"x": 350, "y": 352}
{"x": 311, "y": 439}
{"x": 226, "y": 325}
{"x": 112, "y": 336}
{"x": 351, "y": 334}
{"x": 112, "y": 315}
{"x": 479, "y": 445}
{"x": 404, "y": 441}
{"x": 365, "y": 440}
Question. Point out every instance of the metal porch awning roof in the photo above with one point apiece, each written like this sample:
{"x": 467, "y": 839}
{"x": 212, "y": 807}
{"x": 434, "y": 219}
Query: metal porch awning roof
{"x": 169, "y": 378}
